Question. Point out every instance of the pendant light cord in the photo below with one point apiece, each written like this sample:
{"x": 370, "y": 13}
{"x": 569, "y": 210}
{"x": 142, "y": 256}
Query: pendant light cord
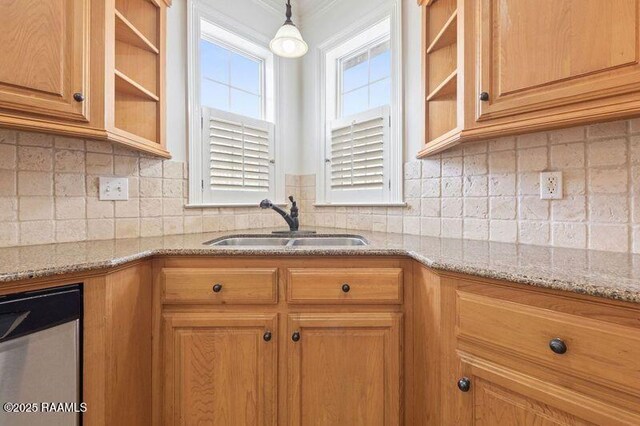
{"x": 288, "y": 15}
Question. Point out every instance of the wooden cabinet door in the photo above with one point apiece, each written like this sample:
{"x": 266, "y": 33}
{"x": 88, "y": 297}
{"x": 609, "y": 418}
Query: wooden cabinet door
{"x": 537, "y": 55}
{"x": 344, "y": 369}
{"x": 220, "y": 369}
{"x": 44, "y": 57}
{"x": 499, "y": 396}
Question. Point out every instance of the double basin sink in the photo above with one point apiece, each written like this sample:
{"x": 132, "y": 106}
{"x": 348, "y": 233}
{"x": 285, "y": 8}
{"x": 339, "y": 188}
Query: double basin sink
{"x": 280, "y": 241}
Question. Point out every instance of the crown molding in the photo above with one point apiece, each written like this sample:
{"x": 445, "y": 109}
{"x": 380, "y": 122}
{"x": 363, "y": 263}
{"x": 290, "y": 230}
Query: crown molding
{"x": 275, "y": 7}
{"x": 318, "y": 7}
{"x": 301, "y": 12}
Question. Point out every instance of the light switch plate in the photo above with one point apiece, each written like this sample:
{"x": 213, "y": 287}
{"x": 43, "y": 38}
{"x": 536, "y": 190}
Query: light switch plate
{"x": 551, "y": 185}
{"x": 114, "y": 188}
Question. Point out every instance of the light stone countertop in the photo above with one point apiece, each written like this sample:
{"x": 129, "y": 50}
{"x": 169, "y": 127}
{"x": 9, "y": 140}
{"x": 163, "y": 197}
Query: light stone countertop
{"x": 605, "y": 274}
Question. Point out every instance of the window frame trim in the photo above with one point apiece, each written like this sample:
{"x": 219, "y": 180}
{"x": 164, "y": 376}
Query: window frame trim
{"x": 393, "y": 12}
{"x": 198, "y": 11}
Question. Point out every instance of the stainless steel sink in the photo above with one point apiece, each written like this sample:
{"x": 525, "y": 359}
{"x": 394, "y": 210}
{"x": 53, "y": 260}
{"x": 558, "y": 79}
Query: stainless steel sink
{"x": 269, "y": 241}
{"x": 251, "y": 242}
{"x": 329, "y": 241}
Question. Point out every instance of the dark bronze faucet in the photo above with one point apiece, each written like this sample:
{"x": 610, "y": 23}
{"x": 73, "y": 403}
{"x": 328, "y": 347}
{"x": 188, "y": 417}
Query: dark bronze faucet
{"x": 291, "y": 218}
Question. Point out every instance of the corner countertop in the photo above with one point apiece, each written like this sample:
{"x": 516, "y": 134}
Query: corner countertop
{"x": 596, "y": 273}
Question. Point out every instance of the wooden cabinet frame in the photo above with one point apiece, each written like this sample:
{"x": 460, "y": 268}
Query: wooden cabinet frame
{"x": 129, "y": 109}
{"x": 383, "y": 320}
{"x": 453, "y": 106}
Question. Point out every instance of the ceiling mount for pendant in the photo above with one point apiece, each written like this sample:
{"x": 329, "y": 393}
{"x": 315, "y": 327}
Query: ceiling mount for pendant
{"x": 288, "y": 41}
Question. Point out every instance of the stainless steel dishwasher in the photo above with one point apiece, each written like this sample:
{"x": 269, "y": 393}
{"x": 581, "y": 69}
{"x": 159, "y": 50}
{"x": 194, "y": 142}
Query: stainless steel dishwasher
{"x": 40, "y": 358}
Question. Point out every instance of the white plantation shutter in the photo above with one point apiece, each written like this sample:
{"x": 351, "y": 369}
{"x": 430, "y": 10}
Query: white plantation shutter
{"x": 237, "y": 155}
{"x": 357, "y": 167}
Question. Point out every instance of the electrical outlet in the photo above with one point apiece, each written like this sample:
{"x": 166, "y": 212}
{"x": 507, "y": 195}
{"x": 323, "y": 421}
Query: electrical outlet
{"x": 551, "y": 185}
{"x": 114, "y": 188}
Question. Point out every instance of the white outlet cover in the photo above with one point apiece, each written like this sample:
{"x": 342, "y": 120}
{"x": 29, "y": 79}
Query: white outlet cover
{"x": 551, "y": 186}
{"x": 114, "y": 188}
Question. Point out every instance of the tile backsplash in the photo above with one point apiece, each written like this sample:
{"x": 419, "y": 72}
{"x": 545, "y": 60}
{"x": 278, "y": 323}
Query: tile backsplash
{"x": 49, "y": 193}
{"x": 484, "y": 191}
{"x": 490, "y": 191}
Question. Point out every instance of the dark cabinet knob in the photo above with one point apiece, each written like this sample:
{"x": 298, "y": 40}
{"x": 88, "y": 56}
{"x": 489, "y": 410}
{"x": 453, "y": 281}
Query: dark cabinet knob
{"x": 217, "y": 288}
{"x": 558, "y": 346}
{"x": 267, "y": 336}
{"x": 295, "y": 336}
{"x": 346, "y": 288}
{"x": 464, "y": 384}
{"x": 484, "y": 96}
{"x": 78, "y": 97}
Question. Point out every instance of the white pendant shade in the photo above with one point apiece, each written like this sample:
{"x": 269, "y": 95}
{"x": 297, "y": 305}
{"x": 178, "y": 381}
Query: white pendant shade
{"x": 288, "y": 42}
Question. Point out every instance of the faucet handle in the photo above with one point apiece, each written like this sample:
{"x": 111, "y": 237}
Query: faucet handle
{"x": 294, "y": 207}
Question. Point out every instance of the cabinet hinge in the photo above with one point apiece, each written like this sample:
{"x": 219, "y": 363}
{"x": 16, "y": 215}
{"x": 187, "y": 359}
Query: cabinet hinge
{"x": 202, "y": 184}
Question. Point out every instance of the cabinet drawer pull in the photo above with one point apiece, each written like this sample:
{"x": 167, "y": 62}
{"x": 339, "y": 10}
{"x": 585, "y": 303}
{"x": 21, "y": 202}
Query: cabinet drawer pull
{"x": 346, "y": 288}
{"x": 217, "y": 288}
{"x": 78, "y": 97}
{"x": 464, "y": 384}
{"x": 267, "y": 336}
{"x": 558, "y": 346}
{"x": 295, "y": 336}
{"x": 484, "y": 96}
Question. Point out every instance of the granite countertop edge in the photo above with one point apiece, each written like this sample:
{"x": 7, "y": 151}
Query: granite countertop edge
{"x": 578, "y": 285}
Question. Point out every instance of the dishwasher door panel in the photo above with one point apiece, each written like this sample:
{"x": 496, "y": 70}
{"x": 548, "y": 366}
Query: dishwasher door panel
{"x": 41, "y": 367}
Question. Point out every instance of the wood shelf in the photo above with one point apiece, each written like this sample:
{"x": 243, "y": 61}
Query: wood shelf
{"x": 128, "y": 33}
{"x": 126, "y": 84}
{"x": 448, "y": 87}
{"x": 447, "y": 35}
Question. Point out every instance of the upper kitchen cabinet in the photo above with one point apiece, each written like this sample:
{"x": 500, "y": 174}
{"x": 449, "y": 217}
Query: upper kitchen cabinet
{"x": 501, "y": 67}
{"x": 43, "y": 56}
{"x": 85, "y": 68}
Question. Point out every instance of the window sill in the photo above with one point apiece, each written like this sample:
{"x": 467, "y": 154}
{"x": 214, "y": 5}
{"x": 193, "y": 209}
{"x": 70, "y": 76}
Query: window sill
{"x": 360, "y": 205}
{"x": 227, "y": 205}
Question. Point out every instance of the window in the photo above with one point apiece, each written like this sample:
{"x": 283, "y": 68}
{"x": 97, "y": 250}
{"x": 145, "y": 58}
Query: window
{"x": 232, "y": 145}
{"x": 362, "y": 159}
{"x": 230, "y": 81}
{"x": 366, "y": 79}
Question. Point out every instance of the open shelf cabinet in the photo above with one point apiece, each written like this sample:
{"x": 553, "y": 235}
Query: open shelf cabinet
{"x": 139, "y": 73}
{"x": 440, "y": 68}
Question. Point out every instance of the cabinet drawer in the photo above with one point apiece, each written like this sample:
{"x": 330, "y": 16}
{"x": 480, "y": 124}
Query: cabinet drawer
{"x": 345, "y": 285}
{"x": 598, "y": 351}
{"x": 251, "y": 286}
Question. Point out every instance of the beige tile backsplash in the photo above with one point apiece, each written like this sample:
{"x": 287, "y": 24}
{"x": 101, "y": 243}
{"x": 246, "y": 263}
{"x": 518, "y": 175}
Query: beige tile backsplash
{"x": 490, "y": 191}
{"x": 49, "y": 193}
{"x": 486, "y": 191}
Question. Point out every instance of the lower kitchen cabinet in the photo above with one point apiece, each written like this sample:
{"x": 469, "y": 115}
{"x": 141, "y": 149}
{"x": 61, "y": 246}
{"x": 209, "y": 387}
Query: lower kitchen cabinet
{"x": 498, "y": 396}
{"x": 322, "y": 346}
{"x": 220, "y": 369}
{"x": 344, "y": 369}
{"x": 525, "y": 356}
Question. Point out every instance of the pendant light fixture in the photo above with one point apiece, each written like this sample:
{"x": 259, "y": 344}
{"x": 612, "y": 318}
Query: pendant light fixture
{"x": 288, "y": 41}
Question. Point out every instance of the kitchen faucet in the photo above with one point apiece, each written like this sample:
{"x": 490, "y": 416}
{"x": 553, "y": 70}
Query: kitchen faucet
{"x": 292, "y": 219}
